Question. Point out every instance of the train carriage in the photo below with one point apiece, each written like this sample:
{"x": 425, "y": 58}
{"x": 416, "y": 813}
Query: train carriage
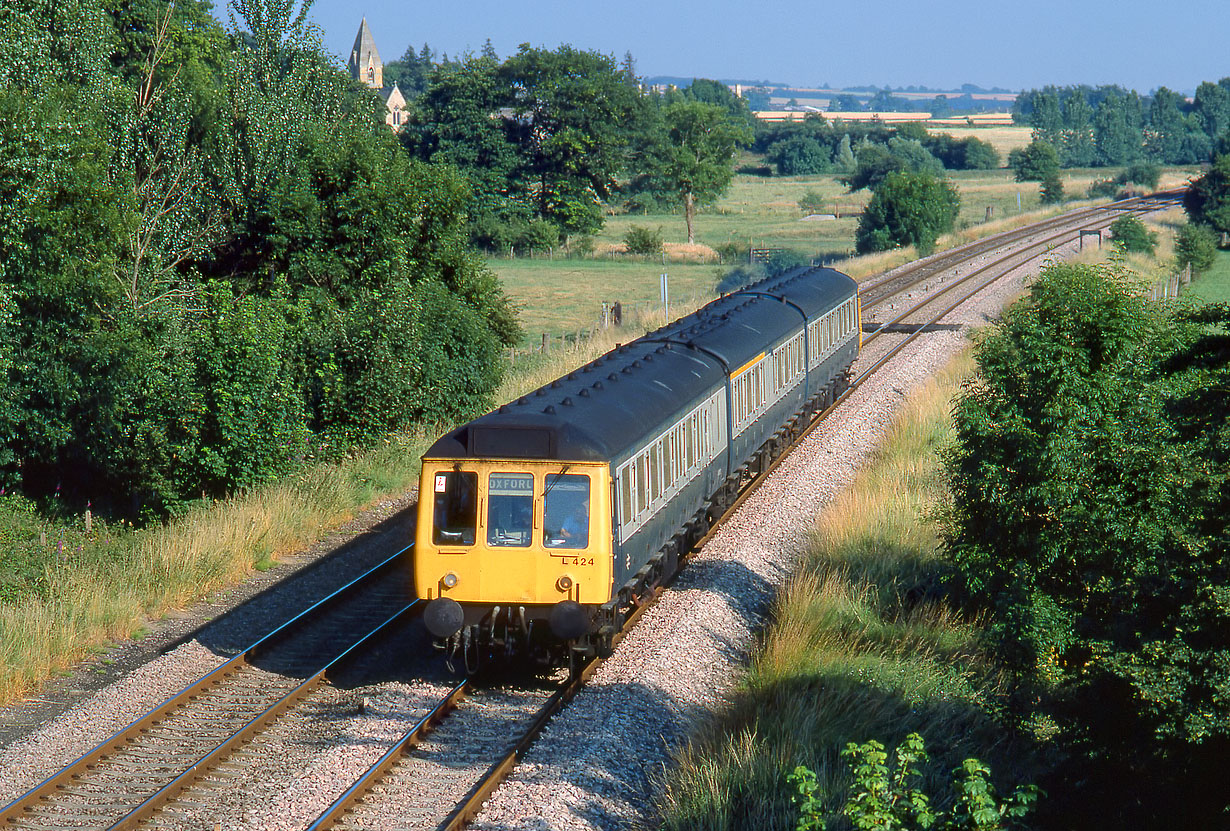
{"x": 543, "y": 523}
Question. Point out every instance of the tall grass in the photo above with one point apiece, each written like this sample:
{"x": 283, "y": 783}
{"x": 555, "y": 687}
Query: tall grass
{"x": 863, "y": 645}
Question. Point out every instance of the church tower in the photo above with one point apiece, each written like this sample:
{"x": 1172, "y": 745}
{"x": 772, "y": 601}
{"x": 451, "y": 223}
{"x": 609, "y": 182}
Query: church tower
{"x": 367, "y": 68}
{"x": 365, "y": 64}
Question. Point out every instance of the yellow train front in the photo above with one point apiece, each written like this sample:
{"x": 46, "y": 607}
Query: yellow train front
{"x": 544, "y": 524}
{"x": 508, "y": 550}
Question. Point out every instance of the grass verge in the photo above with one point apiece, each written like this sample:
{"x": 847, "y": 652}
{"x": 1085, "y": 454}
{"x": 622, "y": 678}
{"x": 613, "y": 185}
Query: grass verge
{"x": 863, "y": 645}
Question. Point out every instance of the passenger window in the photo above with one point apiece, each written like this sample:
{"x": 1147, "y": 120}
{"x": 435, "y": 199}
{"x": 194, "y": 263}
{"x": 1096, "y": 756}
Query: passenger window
{"x": 566, "y": 511}
{"x": 625, "y": 495}
{"x": 642, "y": 483}
{"x": 455, "y": 509}
{"x": 510, "y": 508}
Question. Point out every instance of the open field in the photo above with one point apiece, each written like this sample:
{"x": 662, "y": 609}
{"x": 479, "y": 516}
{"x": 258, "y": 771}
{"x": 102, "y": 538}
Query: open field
{"x": 1003, "y": 139}
{"x": 559, "y": 296}
{"x": 1214, "y": 285}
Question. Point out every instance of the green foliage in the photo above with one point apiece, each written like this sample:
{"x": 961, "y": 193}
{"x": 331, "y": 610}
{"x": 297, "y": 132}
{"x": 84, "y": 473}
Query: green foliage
{"x": 907, "y": 209}
{"x": 883, "y": 797}
{"x": 1207, "y": 200}
{"x": 691, "y": 155}
{"x": 1145, "y": 174}
{"x": 799, "y": 156}
{"x": 642, "y": 240}
{"x": 217, "y": 259}
{"x": 1035, "y": 163}
{"x": 1130, "y": 234}
{"x": 1052, "y": 189}
{"x": 1195, "y": 245}
{"x": 875, "y": 162}
{"x": 1088, "y": 517}
{"x": 1103, "y": 189}
{"x": 812, "y": 202}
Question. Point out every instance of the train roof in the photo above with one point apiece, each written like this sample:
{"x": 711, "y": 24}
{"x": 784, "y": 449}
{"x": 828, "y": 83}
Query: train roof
{"x": 609, "y": 406}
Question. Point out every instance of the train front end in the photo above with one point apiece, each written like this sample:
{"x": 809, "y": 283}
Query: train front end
{"x": 512, "y": 556}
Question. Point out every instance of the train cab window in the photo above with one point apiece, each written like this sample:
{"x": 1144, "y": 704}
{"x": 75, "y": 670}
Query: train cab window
{"x": 455, "y": 509}
{"x": 510, "y": 508}
{"x": 566, "y": 511}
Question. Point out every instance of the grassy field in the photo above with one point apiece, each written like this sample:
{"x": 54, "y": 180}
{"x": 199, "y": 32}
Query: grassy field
{"x": 863, "y": 645}
{"x": 561, "y": 295}
{"x": 1214, "y": 285}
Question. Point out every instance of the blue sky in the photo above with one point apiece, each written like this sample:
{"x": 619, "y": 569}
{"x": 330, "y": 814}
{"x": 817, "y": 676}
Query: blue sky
{"x": 1019, "y": 44}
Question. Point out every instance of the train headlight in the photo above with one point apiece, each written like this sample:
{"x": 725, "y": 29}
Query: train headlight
{"x": 449, "y": 580}
{"x": 564, "y": 583}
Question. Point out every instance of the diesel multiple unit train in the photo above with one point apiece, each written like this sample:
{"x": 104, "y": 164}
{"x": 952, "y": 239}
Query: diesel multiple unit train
{"x": 543, "y": 524}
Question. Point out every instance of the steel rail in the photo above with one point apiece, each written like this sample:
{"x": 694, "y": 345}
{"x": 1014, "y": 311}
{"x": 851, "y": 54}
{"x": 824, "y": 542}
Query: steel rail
{"x": 20, "y": 807}
{"x": 1025, "y": 254}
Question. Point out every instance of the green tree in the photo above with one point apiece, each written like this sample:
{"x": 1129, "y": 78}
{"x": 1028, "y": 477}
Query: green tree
{"x": 1195, "y": 245}
{"x": 1117, "y": 129}
{"x": 456, "y": 122}
{"x": 1207, "y": 201}
{"x": 907, "y": 209}
{"x": 1212, "y": 107}
{"x": 572, "y": 116}
{"x": 1130, "y": 234}
{"x": 1087, "y": 517}
{"x": 694, "y": 161}
{"x": 799, "y": 155}
{"x": 1034, "y": 163}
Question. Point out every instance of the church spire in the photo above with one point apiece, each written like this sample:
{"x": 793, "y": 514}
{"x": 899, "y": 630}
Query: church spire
{"x": 365, "y": 64}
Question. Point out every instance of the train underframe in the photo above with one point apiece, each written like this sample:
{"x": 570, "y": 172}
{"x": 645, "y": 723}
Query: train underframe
{"x": 572, "y": 633}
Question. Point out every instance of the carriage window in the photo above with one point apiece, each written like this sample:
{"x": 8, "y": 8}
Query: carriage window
{"x": 566, "y": 512}
{"x": 625, "y": 495}
{"x": 455, "y": 510}
{"x": 510, "y": 508}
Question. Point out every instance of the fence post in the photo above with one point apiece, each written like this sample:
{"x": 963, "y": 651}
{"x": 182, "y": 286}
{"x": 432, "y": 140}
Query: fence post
{"x": 546, "y": 343}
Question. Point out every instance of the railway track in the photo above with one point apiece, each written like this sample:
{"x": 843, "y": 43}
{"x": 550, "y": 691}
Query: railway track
{"x": 192, "y": 742}
{"x": 438, "y": 773}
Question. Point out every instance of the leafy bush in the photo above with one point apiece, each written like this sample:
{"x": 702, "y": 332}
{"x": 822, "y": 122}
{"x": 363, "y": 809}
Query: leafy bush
{"x": 642, "y": 240}
{"x": 799, "y": 156}
{"x": 1103, "y": 189}
{"x": 732, "y": 251}
{"x": 1052, "y": 189}
{"x": 1035, "y": 162}
{"x": 1088, "y": 463}
{"x": 1195, "y": 245}
{"x": 1130, "y": 234}
{"x": 812, "y": 202}
{"x": 886, "y": 798}
{"x": 1145, "y": 174}
{"x": 907, "y": 209}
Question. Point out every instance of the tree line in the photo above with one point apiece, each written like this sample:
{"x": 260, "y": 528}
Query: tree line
{"x": 1109, "y": 126}
{"x": 218, "y": 262}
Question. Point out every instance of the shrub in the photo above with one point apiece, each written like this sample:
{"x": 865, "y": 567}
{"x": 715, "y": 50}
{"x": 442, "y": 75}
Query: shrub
{"x": 1145, "y": 174}
{"x": 1130, "y": 234}
{"x": 1103, "y": 189}
{"x": 642, "y": 240}
{"x": 907, "y": 209}
{"x": 812, "y": 202}
{"x": 1196, "y": 245}
{"x": 1052, "y": 189}
{"x": 732, "y": 251}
